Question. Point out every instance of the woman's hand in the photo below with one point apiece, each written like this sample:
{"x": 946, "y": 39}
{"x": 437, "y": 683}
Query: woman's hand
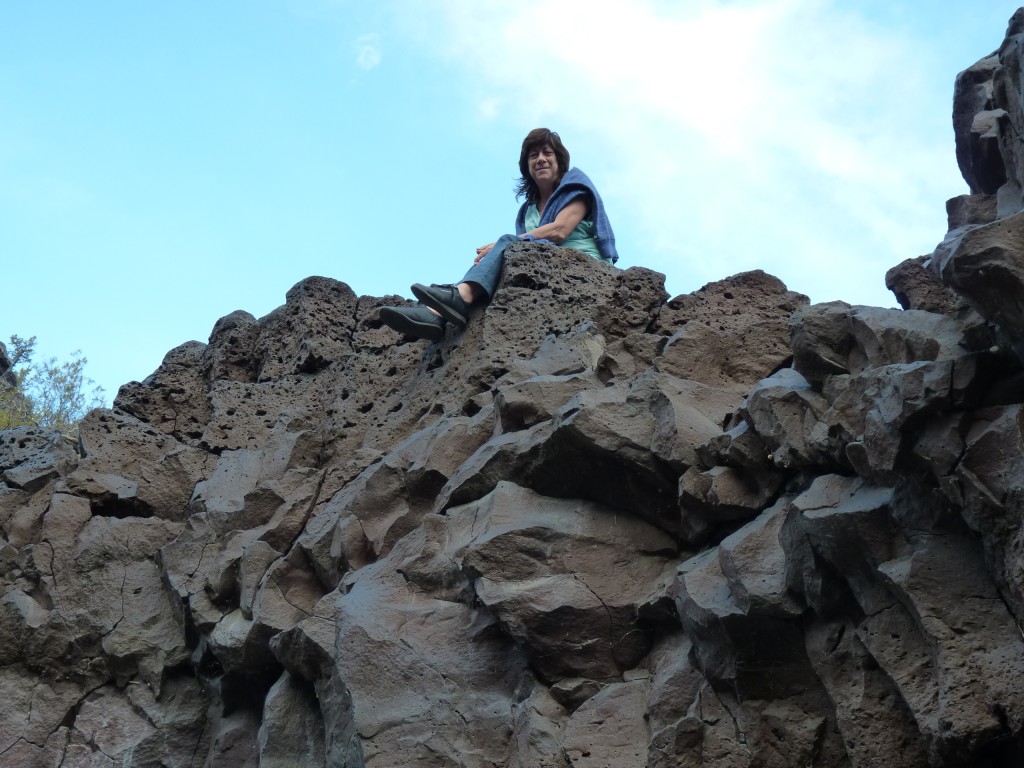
{"x": 482, "y": 251}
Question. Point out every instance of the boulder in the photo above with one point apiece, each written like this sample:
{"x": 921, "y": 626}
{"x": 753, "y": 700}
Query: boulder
{"x": 292, "y": 732}
{"x": 835, "y": 338}
{"x": 544, "y": 564}
{"x": 988, "y": 490}
{"x": 30, "y": 458}
{"x": 610, "y": 728}
{"x": 730, "y": 333}
{"x": 984, "y": 267}
{"x": 784, "y": 411}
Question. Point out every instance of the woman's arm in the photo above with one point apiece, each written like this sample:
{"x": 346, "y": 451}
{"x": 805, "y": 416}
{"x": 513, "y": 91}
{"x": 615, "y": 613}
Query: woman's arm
{"x": 557, "y": 231}
{"x": 565, "y": 222}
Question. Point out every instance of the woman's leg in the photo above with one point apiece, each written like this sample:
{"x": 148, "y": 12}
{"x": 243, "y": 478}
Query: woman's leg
{"x": 450, "y": 303}
{"x": 486, "y": 274}
{"x": 453, "y": 302}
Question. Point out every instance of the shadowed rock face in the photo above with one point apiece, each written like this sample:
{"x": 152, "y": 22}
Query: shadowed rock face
{"x": 980, "y": 256}
{"x": 597, "y": 528}
{"x": 6, "y": 374}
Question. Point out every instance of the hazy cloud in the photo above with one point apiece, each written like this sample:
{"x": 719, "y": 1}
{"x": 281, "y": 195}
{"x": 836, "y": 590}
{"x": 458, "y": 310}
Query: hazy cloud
{"x": 488, "y": 108}
{"x": 368, "y": 51}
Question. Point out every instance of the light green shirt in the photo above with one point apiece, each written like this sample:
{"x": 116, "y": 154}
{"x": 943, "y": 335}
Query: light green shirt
{"x": 581, "y": 238}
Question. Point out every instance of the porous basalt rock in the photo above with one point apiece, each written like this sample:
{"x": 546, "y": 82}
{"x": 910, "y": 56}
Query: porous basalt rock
{"x": 702, "y": 328}
{"x": 597, "y": 527}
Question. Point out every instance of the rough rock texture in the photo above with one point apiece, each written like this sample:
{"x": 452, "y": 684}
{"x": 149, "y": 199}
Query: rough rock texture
{"x": 6, "y": 375}
{"x": 980, "y": 256}
{"x": 596, "y": 528}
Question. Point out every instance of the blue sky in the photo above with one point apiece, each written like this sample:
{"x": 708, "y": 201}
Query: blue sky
{"x": 164, "y": 164}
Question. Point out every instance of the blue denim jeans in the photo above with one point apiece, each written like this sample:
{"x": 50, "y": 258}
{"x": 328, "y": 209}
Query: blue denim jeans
{"x": 487, "y": 273}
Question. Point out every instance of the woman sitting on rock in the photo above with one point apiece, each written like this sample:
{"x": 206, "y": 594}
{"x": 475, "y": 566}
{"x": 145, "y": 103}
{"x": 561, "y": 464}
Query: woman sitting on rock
{"x": 562, "y": 207}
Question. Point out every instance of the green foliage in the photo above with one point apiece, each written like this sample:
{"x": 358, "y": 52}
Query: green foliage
{"x": 47, "y": 394}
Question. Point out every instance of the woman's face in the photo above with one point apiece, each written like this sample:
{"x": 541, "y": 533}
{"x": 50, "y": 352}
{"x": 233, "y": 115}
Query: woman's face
{"x": 543, "y": 165}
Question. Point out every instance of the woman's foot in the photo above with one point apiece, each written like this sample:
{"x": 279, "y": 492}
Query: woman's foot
{"x": 418, "y": 322}
{"x": 446, "y": 300}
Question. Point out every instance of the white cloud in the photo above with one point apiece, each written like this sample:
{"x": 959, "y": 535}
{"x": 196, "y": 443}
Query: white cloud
{"x": 489, "y": 108}
{"x": 368, "y": 51}
{"x": 788, "y": 135}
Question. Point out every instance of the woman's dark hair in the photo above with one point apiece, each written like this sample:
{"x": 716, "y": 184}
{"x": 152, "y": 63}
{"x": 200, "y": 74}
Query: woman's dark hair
{"x": 535, "y": 139}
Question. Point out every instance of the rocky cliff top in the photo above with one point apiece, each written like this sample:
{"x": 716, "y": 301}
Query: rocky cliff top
{"x": 599, "y": 527}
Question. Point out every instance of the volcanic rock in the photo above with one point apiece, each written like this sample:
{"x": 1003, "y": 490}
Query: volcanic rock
{"x": 596, "y": 527}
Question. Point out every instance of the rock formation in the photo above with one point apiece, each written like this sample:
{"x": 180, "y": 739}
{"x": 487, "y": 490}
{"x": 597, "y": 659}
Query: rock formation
{"x": 597, "y": 528}
{"x": 6, "y": 374}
